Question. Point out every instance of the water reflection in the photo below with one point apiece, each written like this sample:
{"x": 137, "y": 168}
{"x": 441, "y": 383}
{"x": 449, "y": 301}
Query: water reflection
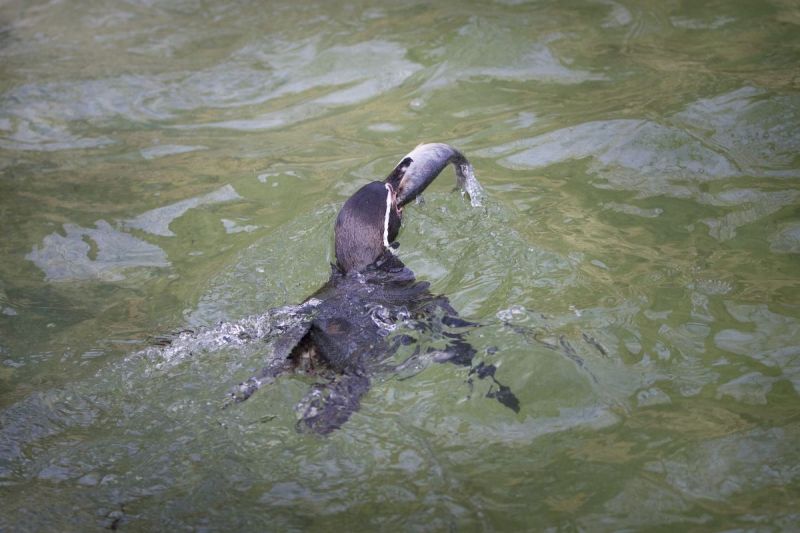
{"x": 786, "y": 240}
{"x": 645, "y": 152}
{"x": 733, "y": 135}
{"x": 72, "y": 258}
{"x": 485, "y": 49}
{"x": 163, "y": 150}
{"x": 157, "y": 221}
{"x": 44, "y": 116}
{"x": 772, "y": 340}
{"x": 103, "y": 253}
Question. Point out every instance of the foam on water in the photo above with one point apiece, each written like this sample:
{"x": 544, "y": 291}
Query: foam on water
{"x": 256, "y": 328}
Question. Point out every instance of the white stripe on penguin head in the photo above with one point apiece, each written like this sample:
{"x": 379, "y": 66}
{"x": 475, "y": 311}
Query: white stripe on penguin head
{"x": 389, "y": 193}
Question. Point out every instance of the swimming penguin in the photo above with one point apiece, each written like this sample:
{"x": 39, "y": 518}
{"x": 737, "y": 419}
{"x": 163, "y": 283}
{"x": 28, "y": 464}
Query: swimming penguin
{"x": 343, "y": 337}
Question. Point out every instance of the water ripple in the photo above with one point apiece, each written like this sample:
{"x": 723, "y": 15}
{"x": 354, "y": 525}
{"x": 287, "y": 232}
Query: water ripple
{"x": 484, "y": 49}
{"x": 49, "y": 116}
{"x": 157, "y": 221}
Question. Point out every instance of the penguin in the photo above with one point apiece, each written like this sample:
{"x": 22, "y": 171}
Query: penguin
{"x": 343, "y": 336}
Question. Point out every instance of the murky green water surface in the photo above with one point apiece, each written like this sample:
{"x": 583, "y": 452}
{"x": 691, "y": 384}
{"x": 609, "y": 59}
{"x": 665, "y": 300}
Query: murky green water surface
{"x": 171, "y": 165}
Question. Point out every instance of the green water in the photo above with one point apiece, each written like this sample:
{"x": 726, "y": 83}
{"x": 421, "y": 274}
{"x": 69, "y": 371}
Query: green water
{"x": 171, "y": 165}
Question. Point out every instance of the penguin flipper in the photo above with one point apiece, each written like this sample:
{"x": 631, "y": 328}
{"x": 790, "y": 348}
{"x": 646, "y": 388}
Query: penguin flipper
{"x": 327, "y": 406}
{"x": 460, "y": 352}
{"x": 503, "y": 394}
{"x": 279, "y": 363}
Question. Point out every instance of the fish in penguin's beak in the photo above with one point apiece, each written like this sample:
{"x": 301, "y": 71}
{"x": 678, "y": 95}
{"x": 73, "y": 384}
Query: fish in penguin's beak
{"x": 420, "y": 167}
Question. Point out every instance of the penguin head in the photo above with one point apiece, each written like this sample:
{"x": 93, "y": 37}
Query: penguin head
{"x": 370, "y": 219}
{"x": 366, "y": 226}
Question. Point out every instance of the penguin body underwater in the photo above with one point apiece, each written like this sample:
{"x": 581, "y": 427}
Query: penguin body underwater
{"x": 343, "y": 337}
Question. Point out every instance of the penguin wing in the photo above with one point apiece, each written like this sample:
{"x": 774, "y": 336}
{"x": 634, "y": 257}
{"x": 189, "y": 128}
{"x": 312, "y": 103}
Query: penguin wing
{"x": 327, "y": 406}
{"x": 279, "y": 362}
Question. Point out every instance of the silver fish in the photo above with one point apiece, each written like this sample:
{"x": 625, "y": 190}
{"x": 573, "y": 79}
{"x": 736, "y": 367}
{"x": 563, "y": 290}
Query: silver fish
{"x": 424, "y": 163}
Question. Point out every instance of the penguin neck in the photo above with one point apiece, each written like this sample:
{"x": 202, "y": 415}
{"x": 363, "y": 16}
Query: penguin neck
{"x": 366, "y": 226}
